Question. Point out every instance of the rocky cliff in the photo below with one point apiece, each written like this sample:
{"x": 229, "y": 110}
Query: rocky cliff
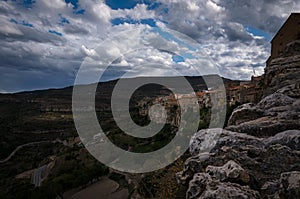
{"x": 258, "y": 155}
{"x": 243, "y": 166}
{"x": 275, "y": 113}
{"x": 284, "y": 70}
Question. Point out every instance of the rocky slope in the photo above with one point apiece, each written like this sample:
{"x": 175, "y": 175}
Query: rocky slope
{"x": 279, "y": 110}
{"x": 284, "y": 70}
{"x": 243, "y": 166}
{"x": 258, "y": 155}
{"x": 275, "y": 113}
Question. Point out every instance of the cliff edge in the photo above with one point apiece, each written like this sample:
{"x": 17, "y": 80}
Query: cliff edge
{"x": 258, "y": 154}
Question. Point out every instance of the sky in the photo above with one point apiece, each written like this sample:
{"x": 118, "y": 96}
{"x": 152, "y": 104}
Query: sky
{"x": 44, "y": 43}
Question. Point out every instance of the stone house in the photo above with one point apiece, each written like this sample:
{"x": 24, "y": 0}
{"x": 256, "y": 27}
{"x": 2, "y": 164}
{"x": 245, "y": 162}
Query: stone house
{"x": 289, "y": 32}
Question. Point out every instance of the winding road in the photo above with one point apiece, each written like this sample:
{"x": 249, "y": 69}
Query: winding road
{"x": 19, "y": 147}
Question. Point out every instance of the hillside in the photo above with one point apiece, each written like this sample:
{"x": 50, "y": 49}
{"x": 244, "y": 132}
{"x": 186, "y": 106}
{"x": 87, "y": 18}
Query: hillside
{"x": 37, "y": 129}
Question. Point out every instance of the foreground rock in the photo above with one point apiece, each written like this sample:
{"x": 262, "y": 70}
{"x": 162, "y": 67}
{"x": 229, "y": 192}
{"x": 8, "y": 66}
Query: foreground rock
{"x": 257, "y": 156}
{"x": 275, "y": 113}
{"x": 204, "y": 186}
{"x": 243, "y": 166}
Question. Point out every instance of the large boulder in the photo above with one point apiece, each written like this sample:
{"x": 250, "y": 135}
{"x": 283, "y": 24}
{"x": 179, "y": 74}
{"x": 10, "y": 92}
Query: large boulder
{"x": 245, "y": 113}
{"x": 204, "y": 186}
{"x": 248, "y": 166}
{"x": 275, "y": 100}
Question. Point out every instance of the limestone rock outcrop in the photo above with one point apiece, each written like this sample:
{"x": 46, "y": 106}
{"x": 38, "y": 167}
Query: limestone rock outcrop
{"x": 275, "y": 113}
{"x": 243, "y": 166}
{"x": 258, "y": 155}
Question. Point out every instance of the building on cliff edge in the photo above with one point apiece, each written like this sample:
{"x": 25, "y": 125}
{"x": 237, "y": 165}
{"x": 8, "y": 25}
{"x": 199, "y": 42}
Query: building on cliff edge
{"x": 289, "y": 32}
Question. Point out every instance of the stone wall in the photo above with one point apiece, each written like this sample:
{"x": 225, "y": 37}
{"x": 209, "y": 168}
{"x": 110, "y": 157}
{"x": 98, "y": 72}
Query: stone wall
{"x": 289, "y": 32}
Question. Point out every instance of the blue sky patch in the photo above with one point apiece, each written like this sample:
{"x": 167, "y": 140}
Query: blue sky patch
{"x": 63, "y": 20}
{"x": 80, "y": 11}
{"x": 76, "y": 7}
{"x": 258, "y": 32}
{"x": 119, "y": 4}
{"x": 152, "y": 5}
{"x": 150, "y": 22}
{"x": 28, "y": 2}
{"x": 129, "y": 4}
{"x": 74, "y": 3}
{"x": 177, "y": 58}
{"x": 118, "y": 21}
{"x": 24, "y": 23}
{"x": 25, "y": 3}
{"x": 55, "y": 32}
{"x": 188, "y": 56}
{"x": 14, "y": 21}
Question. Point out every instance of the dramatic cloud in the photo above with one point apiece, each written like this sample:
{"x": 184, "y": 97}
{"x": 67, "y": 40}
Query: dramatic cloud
{"x": 236, "y": 34}
{"x": 43, "y": 43}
